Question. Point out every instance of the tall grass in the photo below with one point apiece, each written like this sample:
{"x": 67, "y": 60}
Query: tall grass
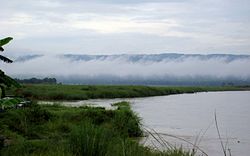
{"x": 40, "y": 130}
{"x": 90, "y": 140}
{"x": 83, "y": 92}
{"x": 95, "y": 141}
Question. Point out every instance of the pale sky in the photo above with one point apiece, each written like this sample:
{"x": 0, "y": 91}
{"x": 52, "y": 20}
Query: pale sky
{"x": 126, "y": 26}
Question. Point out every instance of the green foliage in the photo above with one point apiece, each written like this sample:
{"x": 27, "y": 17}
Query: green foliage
{"x": 7, "y": 81}
{"x": 98, "y": 115}
{"x": 4, "y": 79}
{"x": 10, "y": 102}
{"x": 37, "y": 115}
{"x": 83, "y": 92}
{"x": 55, "y": 130}
{"x": 36, "y": 148}
{"x": 2, "y": 43}
{"x": 90, "y": 140}
{"x": 37, "y": 81}
{"x": 5, "y": 41}
{"x": 126, "y": 121}
{"x": 22, "y": 121}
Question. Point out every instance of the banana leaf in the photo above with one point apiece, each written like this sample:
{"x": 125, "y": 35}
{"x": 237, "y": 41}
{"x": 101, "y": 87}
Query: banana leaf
{"x": 5, "y": 59}
{"x": 5, "y": 41}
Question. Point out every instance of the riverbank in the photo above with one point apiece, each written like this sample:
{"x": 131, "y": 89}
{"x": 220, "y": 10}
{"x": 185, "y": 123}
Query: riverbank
{"x": 84, "y": 92}
{"x": 59, "y": 130}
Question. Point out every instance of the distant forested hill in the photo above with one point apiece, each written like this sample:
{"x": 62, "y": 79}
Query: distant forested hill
{"x": 38, "y": 81}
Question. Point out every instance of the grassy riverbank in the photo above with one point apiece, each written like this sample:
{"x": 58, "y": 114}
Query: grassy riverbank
{"x": 83, "y": 92}
{"x": 41, "y": 130}
{"x": 56, "y": 130}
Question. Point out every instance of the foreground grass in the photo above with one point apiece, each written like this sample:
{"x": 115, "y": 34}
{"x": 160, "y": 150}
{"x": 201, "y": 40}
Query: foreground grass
{"x": 54, "y": 130}
{"x": 83, "y": 92}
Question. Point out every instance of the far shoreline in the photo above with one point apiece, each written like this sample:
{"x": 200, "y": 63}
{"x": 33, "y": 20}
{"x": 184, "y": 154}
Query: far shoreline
{"x": 62, "y": 92}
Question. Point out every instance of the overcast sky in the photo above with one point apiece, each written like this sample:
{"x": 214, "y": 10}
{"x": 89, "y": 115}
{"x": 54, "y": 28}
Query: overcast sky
{"x": 126, "y": 26}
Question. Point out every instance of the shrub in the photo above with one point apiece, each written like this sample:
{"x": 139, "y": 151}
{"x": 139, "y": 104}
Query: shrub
{"x": 126, "y": 121}
{"x": 37, "y": 115}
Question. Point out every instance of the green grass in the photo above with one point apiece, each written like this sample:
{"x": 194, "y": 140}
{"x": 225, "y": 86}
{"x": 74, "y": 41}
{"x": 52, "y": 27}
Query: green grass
{"x": 41, "y": 130}
{"x": 55, "y": 130}
{"x": 83, "y": 92}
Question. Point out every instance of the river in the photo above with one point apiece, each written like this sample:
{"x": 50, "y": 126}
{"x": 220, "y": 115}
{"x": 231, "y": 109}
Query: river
{"x": 192, "y": 118}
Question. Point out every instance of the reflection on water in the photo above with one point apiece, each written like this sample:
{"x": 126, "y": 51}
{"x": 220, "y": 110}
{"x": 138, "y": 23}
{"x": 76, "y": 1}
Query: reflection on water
{"x": 191, "y": 117}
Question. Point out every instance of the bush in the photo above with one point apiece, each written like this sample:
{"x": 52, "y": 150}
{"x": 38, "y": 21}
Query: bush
{"x": 97, "y": 116}
{"x": 37, "y": 115}
{"x": 127, "y": 123}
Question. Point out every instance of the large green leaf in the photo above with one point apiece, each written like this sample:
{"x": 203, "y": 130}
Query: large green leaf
{"x": 8, "y": 81}
{"x": 5, "y": 59}
{"x": 5, "y": 80}
{"x": 5, "y": 41}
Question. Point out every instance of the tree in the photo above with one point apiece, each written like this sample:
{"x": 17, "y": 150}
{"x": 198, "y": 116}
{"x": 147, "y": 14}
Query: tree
{"x": 5, "y": 80}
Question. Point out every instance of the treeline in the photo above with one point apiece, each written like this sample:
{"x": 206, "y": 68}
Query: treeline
{"x": 38, "y": 81}
{"x": 154, "y": 81}
{"x": 84, "y": 92}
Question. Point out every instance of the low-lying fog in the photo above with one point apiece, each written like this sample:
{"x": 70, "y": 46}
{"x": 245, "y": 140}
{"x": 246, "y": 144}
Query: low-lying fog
{"x": 145, "y": 67}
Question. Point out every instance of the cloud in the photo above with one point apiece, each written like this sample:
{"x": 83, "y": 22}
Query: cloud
{"x": 209, "y": 26}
